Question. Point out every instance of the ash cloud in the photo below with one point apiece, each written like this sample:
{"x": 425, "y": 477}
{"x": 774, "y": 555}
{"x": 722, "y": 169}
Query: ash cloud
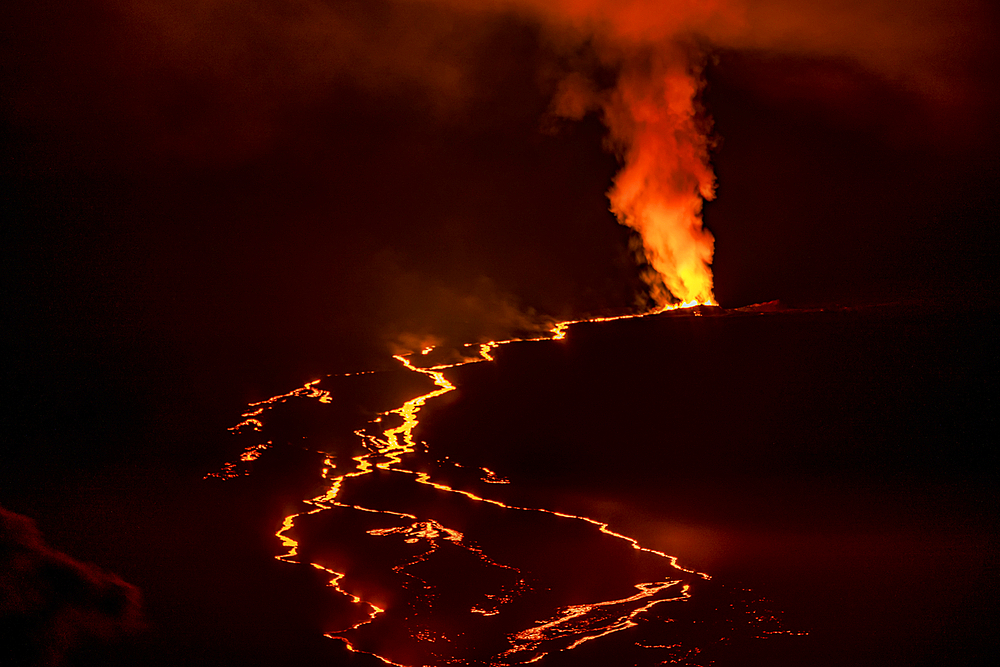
{"x": 215, "y": 81}
{"x": 51, "y": 603}
{"x": 265, "y": 110}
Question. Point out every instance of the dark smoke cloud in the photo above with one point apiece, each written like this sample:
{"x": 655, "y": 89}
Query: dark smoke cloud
{"x": 214, "y": 80}
{"x": 51, "y": 603}
{"x": 941, "y": 51}
{"x": 286, "y": 89}
{"x": 919, "y": 40}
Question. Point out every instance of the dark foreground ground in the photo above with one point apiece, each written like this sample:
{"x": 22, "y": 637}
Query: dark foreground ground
{"x": 839, "y": 462}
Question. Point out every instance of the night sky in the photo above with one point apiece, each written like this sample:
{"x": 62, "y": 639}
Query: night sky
{"x": 210, "y": 203}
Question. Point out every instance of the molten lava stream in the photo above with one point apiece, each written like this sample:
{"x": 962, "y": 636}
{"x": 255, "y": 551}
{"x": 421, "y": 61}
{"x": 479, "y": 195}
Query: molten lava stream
{"x": 442, "y": 573}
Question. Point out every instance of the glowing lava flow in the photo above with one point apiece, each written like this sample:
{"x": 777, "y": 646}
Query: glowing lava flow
{"x": 251, "y": 421}
{"x": 424, "y": 549}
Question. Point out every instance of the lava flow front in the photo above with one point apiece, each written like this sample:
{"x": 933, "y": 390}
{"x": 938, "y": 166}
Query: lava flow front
{"x": 437, "y": 563}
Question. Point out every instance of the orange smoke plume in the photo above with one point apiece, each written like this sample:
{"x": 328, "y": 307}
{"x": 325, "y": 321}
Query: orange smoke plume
{"x": 654, "y": 123}
{"x": 652, "y": 111}
{"x": 657, "y": 129}
{"x": 653, "y": 119}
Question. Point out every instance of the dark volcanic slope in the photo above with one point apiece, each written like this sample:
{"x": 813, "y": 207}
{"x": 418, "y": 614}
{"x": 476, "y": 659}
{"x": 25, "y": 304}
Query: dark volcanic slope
{"x": 837, "y": 461}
